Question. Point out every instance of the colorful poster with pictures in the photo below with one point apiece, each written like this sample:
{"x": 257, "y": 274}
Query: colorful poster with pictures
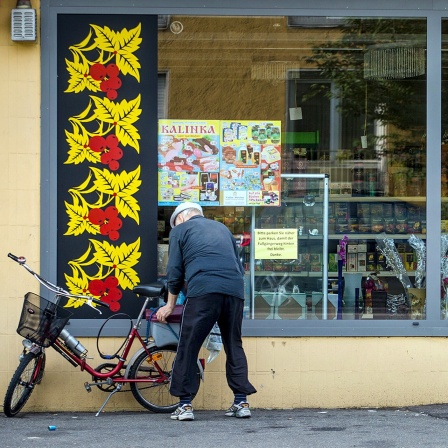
{"x": 212, "y": 162}
{"x": 188, "y": 161}
{"x": 250, "y": 162}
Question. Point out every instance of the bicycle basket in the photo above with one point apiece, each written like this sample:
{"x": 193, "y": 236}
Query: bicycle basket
{"x": 41, "y": 321}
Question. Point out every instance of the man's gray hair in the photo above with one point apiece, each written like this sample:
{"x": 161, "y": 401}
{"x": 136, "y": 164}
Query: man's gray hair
{"x": 191, "y": 212}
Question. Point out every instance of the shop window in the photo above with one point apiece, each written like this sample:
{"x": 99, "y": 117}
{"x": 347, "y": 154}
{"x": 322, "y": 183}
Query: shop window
{"x": 354, "y": 110}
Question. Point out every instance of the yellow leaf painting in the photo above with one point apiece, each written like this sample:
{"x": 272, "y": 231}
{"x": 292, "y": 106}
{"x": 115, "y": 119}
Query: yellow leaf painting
{"x": 79, "y": 81}
{"x": 101, "y": 46}
{"x": 79, "y": 151}
{"x": 108, "y": 260}
{"x": 106, "y": 188}
{"x": 122, "y": 116}
{"x": 101, "y": 135}
{"x": 77, "y": 213}
{"x": 123, "y": 44}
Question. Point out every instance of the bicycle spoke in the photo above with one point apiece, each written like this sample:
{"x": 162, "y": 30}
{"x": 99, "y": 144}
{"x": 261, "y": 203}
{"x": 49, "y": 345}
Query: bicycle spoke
{"x": 22, "y": 384}
{"x": 154, "y": 395}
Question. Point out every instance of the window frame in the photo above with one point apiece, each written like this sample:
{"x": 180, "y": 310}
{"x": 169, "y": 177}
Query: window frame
{"x": 433, "y": 12}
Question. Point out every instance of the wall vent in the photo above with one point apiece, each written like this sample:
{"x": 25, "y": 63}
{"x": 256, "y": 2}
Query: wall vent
{"x": 23, "y": 24}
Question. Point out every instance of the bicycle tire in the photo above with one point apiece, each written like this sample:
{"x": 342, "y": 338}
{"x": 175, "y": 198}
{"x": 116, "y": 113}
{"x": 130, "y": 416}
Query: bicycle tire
{"x": 155, "y": 396}
{"x": 28, "y": 373}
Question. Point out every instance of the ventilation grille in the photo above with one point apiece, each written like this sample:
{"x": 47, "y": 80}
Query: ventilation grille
{"x": 23, "y": 24}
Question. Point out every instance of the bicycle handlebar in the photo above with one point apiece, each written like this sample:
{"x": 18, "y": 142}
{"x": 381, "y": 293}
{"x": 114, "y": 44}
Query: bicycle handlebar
{"x": 20, "y": 260}
{"x": 54, "y": 288}
{"x": 98, "y": 302}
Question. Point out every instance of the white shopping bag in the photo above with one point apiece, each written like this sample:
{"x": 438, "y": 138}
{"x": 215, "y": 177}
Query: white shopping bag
{"x": 213, "y": 343}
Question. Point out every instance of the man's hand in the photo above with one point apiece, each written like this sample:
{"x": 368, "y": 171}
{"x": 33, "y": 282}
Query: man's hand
{"x": 164, "y": 312}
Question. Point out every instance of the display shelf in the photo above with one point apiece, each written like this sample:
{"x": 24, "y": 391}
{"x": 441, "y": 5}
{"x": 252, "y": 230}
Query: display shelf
{"x": 330, "y": 274}
{"x": 407, "y": 199}
{"x": 290, "y": 273}
{"x": 319, "y": 198}
{"x": 373, "y": 236}
{"x": 379, "y": 273}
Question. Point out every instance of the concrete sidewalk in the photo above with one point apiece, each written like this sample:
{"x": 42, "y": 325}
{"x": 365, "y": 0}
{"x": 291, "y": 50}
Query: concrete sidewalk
{"x": 423, "y": 426}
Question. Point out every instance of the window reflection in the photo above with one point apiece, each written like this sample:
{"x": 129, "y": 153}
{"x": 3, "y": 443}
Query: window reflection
{"x": 351, "y": 96}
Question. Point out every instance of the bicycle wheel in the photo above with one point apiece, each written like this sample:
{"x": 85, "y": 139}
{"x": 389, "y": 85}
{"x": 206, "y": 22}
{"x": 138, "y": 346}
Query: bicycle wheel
{"x": 27, "y": 375}
{"x": 150, "y": 394}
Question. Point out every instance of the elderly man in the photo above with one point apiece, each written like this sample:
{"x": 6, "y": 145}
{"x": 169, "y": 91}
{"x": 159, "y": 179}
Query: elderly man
{"x": 203, "y": 253}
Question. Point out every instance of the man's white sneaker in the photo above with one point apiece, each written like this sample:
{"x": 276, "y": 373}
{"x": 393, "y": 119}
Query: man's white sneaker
{"x": 184, "y": 412}
{"x": 241, "y": 410}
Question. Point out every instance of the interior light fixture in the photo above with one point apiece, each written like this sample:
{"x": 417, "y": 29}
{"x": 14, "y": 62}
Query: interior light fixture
{"x": 398, "y": 60}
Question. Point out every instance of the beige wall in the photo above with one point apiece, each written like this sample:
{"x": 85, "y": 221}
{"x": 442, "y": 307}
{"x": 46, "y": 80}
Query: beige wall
{"x": 288, "y": 372}
{"x": 19, "y": 179}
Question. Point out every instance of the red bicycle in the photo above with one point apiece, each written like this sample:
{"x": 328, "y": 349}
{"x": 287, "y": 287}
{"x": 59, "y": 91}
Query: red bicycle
{"x": 148, "y": 372}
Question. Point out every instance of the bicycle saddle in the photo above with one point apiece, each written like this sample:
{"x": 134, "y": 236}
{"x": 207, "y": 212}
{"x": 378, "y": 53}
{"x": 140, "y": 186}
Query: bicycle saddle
{"x": 155, "y": 289}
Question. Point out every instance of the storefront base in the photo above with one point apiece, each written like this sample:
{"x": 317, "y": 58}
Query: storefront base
{"x": 287, "y": 372}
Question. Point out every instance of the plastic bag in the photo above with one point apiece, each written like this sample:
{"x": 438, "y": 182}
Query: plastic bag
{"x": 181, "y": 299}
{"x": 213, "y": 343}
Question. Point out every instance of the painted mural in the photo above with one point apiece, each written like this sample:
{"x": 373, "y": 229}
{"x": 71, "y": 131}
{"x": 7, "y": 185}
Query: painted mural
{"x": 101, "y": 162}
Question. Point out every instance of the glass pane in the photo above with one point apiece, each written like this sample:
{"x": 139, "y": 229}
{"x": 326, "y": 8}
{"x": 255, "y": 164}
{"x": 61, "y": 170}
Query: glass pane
{"x": 289, "y": 256}
{"x": 352, "y": 104}
{"x": 362, "y": 96}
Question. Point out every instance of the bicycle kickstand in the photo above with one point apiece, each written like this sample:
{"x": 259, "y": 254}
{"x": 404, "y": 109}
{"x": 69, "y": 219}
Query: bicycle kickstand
{"x": 117, "y": 389}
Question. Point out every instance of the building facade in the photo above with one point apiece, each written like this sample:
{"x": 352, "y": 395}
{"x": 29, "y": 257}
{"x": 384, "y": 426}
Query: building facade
{"x": 314, "y": 132}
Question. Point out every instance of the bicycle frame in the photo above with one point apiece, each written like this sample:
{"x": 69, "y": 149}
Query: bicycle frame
{"x": 68, "y": 346}
{"x": 111, "y": 377}
{"x": 134, "y": 334}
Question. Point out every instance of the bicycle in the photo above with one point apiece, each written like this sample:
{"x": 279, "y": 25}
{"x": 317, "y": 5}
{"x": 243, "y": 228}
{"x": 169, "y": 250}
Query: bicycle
{"x": 148, "y": 372}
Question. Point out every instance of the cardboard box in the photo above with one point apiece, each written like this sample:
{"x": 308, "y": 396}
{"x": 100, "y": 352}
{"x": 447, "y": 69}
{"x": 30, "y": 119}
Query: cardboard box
{"x": 346, "y": 189}
{"x": 363, "y": 210}
{"x": 376, "y": 210}
{"x": 388, "y": 210}
{"x": 332, "y": 262}
{"x": 341, "y": 210}
{"x": 362, "y": 247}
{"x": 335, "y": 188}
{"x": 340, "y": 189}
{"x": 409, "y": 262}
{"x": 377, "y": 224}
{"x": 371, "y": 262}
{"x": 362, "y": 261}
{"x": 341, "y": 226}
{"x": 381, "y": 262}
{"x": 401, "y": 248}
{"x": 352, "y": 262}
{"x": 389, "y": 224}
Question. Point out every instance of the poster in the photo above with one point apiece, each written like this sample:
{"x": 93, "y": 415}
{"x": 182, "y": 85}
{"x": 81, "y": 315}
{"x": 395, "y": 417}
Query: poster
{"x": 280, "y": 244}
{"x": 213, "y": 162}
{"x": 188, "y": 161}
{"x": 250, "y": 162}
